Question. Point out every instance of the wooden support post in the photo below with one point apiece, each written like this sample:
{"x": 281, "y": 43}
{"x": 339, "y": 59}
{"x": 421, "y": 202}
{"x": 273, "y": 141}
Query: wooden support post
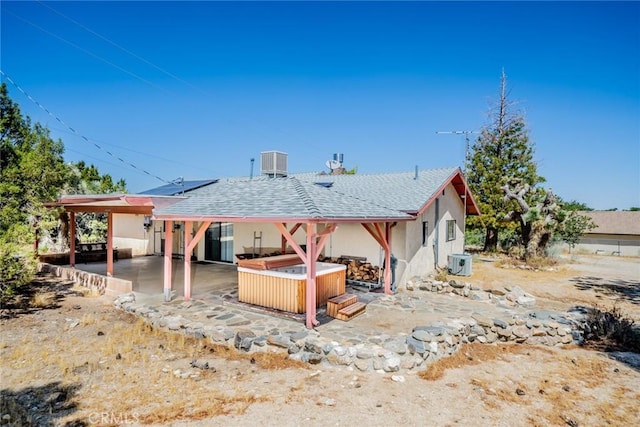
{"x": 72, "y": 239}
{"x": 387, "y": 260}
{"x": 187, "y": 260}
{"x": 168, "y": 256}
{"x": 311, "y": 277}
{"x": 109, "y": 244}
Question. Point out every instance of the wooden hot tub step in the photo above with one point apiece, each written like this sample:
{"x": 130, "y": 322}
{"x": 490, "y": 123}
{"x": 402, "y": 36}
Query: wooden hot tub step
{"x": 351, "y": 311}
{"x": 335, "y": 304}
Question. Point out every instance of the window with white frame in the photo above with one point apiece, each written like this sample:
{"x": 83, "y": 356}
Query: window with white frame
{"x": 451, "y": 229}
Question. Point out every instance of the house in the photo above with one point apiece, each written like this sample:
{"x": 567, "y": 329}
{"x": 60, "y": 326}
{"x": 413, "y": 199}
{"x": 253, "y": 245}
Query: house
{"x": 417, "y": 219}
{"x": 616, "y": 233}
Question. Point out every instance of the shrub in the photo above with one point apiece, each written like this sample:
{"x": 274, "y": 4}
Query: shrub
{"x": 612, "y": 330}
{"x": 16, "y": 269}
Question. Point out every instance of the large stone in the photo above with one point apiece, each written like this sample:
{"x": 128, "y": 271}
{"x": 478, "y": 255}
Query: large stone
{"x": 362, "y": 364}
{"x": 482, "y": 320}
{"x": 504, "y": 333}
{"x": 364, "y": 353}
{"x": 396, "y": 345}
{"x": 312, "y": 358}
{"x": 457, "y": 284}
{"x": 526, "y": 301}
{"x": 491, "y": 337}
{"x": 521, "y": 331}
{"x": 421, "y": 335}
{"x": 500, "y": 323}
{"x": 282, "y": 341}
{"x": 244, "y": 339}
{"x": 174, "y": 322}
{"x": 313, "y": 346}
{"x": 391, "y": 364}
{"x": 415, "y": 345}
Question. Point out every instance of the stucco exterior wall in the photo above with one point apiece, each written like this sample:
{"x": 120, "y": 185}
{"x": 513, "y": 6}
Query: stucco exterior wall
{"x": 609, "y": 244}
{"x": 129, "y": 232}
{"x": 420, "y": 259}
{"x": 243, "y": 233}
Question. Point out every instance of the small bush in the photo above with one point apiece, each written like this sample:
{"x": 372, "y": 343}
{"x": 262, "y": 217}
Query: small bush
{"x": 441, "y": 275}
{"x": 16, "y": 269}
{"x": 611, "y": 330}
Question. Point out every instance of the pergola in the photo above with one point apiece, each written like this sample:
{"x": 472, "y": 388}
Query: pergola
{"x": 318, "y": 227}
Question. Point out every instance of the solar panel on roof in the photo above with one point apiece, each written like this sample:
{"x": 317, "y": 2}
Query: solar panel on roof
{"x": 175, "y": 189}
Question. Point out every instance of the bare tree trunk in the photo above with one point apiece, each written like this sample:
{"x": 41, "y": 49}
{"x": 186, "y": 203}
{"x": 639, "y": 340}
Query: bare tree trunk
{"x": 491, "y": 240}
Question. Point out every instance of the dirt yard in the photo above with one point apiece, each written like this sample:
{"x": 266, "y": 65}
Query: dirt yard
{"x": 71, "y": 359}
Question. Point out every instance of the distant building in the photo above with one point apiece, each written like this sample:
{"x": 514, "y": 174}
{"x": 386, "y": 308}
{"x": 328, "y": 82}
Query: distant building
{"x": 616, "y": 233}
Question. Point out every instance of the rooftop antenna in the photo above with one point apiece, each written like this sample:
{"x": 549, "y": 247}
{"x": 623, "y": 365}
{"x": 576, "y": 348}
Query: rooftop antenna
{"x": 179, "y": 181}
{"x": 466, "y": 134}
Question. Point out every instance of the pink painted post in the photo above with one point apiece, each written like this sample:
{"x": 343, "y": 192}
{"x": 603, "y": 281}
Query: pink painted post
{"x": 387, "y": 260}
{"x": 109, "y": 244}
{"x": 168, "y": 256}
{"x": 187, "y": 260}
{"x": 72, "y": 239}
{"x": 311, "y": 277}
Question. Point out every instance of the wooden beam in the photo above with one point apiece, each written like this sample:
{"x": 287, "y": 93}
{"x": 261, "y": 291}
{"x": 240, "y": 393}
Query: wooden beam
{"x": 324, "y": 236}
{"x": 109, "y": 244}
{"x": 143, "y": 210}
{"x": 187, "y": 260}
{"x": 294, "y": 245}
{"x": 387, "y": 259}
{"x": 168, "y": 257}
{"x": 72, "y": 239}
{"x": 198, "y": 236}
{"x": 284, "y": 239}
{"x": 374, "y": 233}
{"x": 311, "y": 320}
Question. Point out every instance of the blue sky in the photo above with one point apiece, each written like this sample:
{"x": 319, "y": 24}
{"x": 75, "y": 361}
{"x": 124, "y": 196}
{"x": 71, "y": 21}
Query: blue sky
{"x": 197, "y": 89}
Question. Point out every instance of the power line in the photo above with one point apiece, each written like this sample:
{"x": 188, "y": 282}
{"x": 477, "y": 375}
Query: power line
{"x": 77, "y": 133}
{"x": 122, "y": 48}
{"x": 89, "y": 53}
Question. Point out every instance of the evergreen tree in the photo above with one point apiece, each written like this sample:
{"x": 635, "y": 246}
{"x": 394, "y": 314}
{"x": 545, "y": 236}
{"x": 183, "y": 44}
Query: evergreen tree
{"x": 502, "y": 152}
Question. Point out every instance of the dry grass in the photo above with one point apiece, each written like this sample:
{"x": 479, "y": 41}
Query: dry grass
{"x": 43, "y": 299}
{"x": 473, "y": 354}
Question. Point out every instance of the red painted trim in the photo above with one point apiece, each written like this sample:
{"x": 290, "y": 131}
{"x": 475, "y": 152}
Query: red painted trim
{"x": 214, "y": 218}
{"x": 470, "y": 204}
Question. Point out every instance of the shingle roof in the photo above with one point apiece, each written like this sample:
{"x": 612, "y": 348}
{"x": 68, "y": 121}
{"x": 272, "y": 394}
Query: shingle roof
{"x": 279, "y": 198}
{"x": 174, "y": 189}
{"x": 399, "y": 191}
{"x": 615, "y": 222}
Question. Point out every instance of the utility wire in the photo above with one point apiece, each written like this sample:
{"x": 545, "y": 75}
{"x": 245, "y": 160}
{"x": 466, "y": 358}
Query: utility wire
{"x": 162, "y": 70}
{"x": 122, "y": 48}
{"x": 77, "y": 133}
{"x": 89, "y": 53}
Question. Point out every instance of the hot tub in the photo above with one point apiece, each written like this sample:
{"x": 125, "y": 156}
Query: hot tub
{"x": 284, "y": 288}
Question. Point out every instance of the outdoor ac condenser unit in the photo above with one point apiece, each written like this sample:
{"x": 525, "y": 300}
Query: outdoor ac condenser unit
{"x": 460, "y": 264}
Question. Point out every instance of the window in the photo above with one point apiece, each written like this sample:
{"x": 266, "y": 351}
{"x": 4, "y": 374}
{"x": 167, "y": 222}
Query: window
{"x": 451, "y": 229}
{"x": 425, "y": 232}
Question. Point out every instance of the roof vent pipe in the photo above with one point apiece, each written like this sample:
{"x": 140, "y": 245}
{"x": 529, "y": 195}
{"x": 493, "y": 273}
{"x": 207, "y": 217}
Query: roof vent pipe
{"x": 251, "y": 171}
{"x": 416, "y": 175}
